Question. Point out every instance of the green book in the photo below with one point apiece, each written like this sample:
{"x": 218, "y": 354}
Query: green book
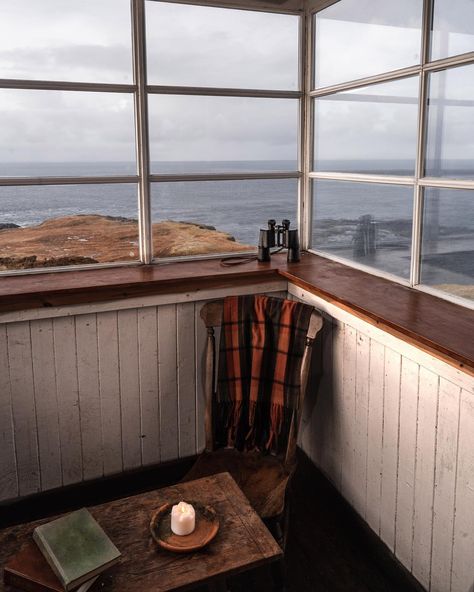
{"x": 76, "y": 548}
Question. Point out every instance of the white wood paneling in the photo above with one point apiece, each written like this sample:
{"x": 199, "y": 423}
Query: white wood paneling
{"x": 388, "y": 500}
{"x": 8, "y": 468}
{"x": 424, "y": 475}
{"x": 129, "y": 388}
{"x": 96, "y": 389}
{"x": 375, "y": 434}
{"x": 200, "y": 344}
{"x": 361, "y": 422}
{"x": 186, "y": 377}
{"x": 47, "y": 417}
{"x": 23, "y": 407}
{"x": 411, "y": 416}
{"x": 338, "y": 400}
{"x": 65, "y": 365}
{"x": 149, "y": 381}
{"x": 462, "y": 574}
{"x": 348, "y": 412}
{"x": 89, "y": 395}
{"x": 406, "y": 462}
{"x": 109, "y": 384}
{"x": 168, "y": 383}
{"x": 445, "y": 485}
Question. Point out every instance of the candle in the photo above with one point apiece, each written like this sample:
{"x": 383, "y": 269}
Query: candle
{"x": 183, "y": 519}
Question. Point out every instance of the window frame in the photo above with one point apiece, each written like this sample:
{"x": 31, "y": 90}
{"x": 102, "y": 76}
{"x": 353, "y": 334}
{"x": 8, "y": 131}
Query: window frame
{"x": 418, "y": 181}
{"x": 305, "y": 10}
{"x": 141, "y": 90}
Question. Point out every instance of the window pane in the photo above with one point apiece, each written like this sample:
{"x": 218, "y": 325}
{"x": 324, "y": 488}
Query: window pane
{"x": 450, "y": 140}
{"x": 452, "y": 28}
{"x": 192, "y": 218}
{"x": 86, "y": 41}
{"x": 66, "y": 133}
{"x": 367, "y": 223}
{"x": 67, "y": 225}
{"x": 196, "y": 134}
{"x": 368, "y": 130}
{"x": 205, "y": 46}
{"x": 356, "y": 39}
{"x": 447, "y": 258}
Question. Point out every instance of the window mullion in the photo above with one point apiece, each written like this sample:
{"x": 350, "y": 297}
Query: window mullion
{"x": 141, "y": 130}
{"x": 305, "y": 131}
{"x": 420, "y": 149}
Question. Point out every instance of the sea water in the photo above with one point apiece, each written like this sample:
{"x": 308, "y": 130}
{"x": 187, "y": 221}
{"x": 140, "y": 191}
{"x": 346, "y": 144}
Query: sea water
{"x": 342, "y": 211}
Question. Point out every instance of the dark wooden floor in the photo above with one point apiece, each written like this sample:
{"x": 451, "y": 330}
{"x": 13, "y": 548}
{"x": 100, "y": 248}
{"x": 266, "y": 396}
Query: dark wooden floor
{"x": 329, "y": 548}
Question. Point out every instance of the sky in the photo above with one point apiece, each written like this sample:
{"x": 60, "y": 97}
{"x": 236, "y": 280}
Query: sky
{"x": 89, "y": 41}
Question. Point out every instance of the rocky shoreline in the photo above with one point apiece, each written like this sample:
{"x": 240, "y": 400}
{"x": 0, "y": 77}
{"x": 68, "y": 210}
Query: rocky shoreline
{"x": 86, "y": 239}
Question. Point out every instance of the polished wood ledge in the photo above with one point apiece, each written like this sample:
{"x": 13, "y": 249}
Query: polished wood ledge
{"x": 436, "y": 325}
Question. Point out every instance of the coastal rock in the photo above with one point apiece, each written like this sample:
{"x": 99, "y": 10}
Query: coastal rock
{"x": 83, "y": 239}
{"x": 8, "y": 225}
{"x": 33, "y": 262}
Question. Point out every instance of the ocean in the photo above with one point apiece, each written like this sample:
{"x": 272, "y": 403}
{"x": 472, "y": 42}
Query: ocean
{"x": 343, "y": 212}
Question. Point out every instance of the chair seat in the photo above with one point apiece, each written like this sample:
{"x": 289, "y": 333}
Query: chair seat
{"x": 261, "y": 477}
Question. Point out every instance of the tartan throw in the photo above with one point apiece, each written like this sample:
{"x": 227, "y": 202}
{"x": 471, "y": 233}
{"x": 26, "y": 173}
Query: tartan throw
{"x": 261, "y": 351}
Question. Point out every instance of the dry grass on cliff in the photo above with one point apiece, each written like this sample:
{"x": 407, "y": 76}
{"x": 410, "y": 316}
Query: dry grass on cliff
{"x": 93, "y": 238}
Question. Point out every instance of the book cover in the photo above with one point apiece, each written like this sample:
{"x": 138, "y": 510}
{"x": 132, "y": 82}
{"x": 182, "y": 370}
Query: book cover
{"x": 76, "y": 548}
{"x": 28, "y": 570}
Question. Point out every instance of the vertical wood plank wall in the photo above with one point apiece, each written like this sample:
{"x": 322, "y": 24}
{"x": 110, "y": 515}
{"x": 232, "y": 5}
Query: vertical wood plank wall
{"x": 393, "y": 429}
{"x": 95, "y": 390}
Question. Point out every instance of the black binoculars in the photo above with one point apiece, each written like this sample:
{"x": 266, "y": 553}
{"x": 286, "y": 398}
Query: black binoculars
{"x": 278, "y": 235}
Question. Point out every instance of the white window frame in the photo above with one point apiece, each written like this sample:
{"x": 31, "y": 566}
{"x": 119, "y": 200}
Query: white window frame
{"x": 304, "y": 174}
{"x": 141, "y": 90}
{"x": 419, "y": 181}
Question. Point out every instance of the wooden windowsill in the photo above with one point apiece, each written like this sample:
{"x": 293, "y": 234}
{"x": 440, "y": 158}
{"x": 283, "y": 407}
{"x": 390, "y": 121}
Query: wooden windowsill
{"x": 441, "y": 327}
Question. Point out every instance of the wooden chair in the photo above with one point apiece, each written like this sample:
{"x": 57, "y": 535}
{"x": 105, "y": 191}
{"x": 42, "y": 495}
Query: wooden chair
{"x": 262, "y": 477}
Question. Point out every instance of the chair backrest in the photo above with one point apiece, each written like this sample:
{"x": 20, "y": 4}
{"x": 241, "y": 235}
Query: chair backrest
{"x": 211, "y": 314}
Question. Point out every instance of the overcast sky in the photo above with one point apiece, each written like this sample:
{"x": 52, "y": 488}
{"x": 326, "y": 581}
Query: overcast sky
{"x": 90, "y": 41}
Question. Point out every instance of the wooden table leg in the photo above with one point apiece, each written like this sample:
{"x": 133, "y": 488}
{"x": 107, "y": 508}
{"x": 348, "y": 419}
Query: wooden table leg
{"x": 218, "y": 585}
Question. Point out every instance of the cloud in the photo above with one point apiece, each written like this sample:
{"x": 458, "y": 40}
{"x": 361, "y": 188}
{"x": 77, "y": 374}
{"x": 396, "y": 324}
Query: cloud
{"x": 65, "y": 126}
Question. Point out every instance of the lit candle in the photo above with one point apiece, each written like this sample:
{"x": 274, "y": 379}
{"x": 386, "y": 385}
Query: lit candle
{"x": 183, "y": 519}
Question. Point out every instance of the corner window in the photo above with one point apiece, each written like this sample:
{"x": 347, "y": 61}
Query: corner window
{"x": 392, "y": 150}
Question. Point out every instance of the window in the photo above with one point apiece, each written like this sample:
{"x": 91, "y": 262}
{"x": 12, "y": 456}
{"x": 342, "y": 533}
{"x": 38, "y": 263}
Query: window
{"x": 181, "y": 128}
{"x": 167, "y": 130}
{"x": 392, "y": 146}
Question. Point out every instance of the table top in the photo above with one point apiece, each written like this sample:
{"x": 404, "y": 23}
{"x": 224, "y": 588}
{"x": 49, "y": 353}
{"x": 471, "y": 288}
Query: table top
{"x": 243, "y": 541}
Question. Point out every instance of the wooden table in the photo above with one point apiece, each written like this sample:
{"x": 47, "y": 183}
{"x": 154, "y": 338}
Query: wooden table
{"x": 242, "y": 543}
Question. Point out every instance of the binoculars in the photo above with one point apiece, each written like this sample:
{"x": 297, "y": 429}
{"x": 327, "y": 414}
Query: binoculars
{"x": 278, "y": 235}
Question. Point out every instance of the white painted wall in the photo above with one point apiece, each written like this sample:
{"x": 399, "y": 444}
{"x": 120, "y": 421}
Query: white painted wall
{"x": 95, "y": 390}
{"x": 393, "y": 429}
{"x": 90, "y": 391}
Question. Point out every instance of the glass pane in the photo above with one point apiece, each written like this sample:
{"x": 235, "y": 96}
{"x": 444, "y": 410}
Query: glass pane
{"x": 368, "y": 130}
{"x": 452, "y": 28}
{"x": 47, "y": 226}
{"x": 447, "y": 254}
{"x": 86, "y": 41}
{"x": 66, "y": 133}
{"x": 215, "y": 134}
{"x": 192, "y": 218}
{"x": 355, "y": 39}
{"x": 450, "y": 140}
{"x": 205, "y": 46}
{"x": 367, "y": 223}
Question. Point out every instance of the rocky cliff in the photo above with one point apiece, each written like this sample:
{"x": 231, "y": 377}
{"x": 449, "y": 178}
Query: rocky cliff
{"x": 80, "y": 239}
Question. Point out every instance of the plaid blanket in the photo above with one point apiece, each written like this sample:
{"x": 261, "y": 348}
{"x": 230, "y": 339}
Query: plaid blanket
{"x": 261, "y": 350}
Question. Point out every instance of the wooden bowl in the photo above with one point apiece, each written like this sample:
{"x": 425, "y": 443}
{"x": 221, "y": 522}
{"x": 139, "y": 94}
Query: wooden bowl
{"x": 207, "y": 525}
